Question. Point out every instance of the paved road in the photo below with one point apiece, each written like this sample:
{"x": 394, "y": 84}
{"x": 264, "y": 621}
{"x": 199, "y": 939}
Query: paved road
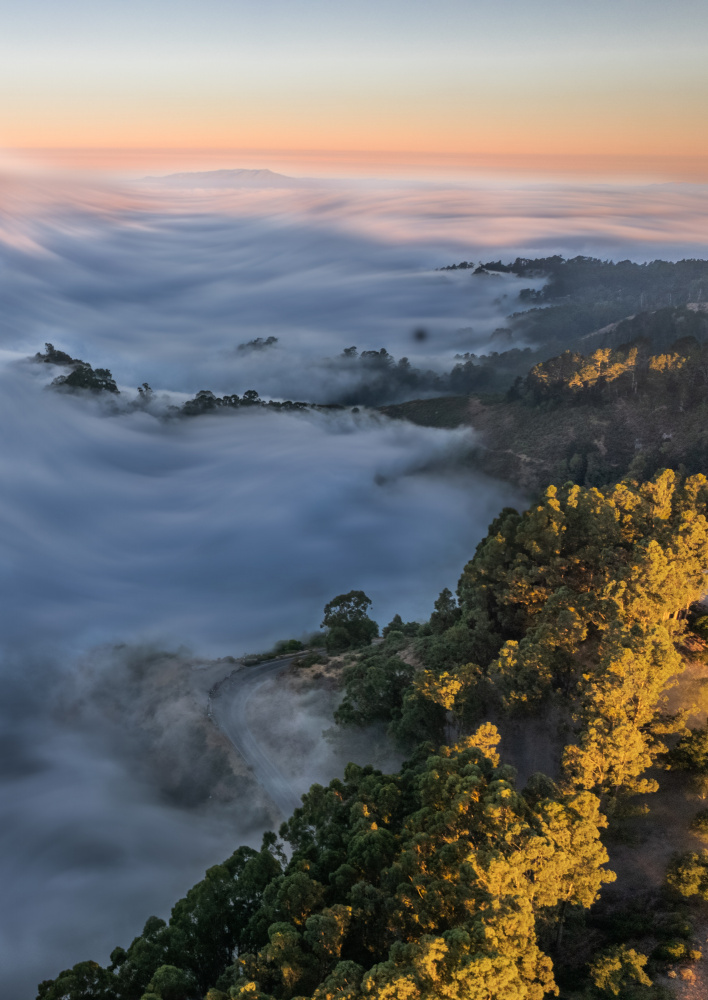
{"x": 230, "y": 711}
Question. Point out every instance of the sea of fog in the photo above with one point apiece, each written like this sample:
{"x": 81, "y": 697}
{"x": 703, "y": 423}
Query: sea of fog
{"x": 126, "y": 534}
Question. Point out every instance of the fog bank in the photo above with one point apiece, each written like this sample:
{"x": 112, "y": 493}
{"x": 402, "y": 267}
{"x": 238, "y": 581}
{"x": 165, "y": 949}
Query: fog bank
{"x": 134, "y": 547}
{"x": 124, "y": 535}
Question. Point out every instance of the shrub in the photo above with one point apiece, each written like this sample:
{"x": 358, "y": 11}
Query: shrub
{"x": 618, "y": 967}
{"x": 699, "y": 824}
{"x": 687, "y": 874}
{"x": 671, "y": 951}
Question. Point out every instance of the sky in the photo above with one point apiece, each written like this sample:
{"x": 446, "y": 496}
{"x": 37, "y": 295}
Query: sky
{"x": 614, "y": 87}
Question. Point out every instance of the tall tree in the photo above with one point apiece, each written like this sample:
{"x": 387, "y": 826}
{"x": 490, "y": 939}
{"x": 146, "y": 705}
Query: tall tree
{"x": 347, "y": 621}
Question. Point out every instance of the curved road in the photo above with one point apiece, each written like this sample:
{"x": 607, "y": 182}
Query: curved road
{"x": 229, "y": 703}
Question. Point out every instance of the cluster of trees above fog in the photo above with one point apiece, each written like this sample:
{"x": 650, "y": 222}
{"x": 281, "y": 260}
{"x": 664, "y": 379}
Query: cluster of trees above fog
{"x": 584, "y": 294}
{"x": 371, "y": 378}
{"x": 446, "y": 879}
{"x": 98, "y": 380}
{"x": 80, "y": 375}
{"x": 579, "y": 296}
{"x": 651, "y": 285}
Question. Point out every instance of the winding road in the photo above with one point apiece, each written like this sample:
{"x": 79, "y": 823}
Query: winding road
{"x": 229, "y": 703}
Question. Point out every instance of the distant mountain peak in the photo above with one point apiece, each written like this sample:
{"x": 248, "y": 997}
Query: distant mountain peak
{"x": 232, "y": 178}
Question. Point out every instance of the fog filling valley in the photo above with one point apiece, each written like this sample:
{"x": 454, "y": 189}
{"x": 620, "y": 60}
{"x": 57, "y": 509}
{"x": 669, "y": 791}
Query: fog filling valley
{"x": 139, "y": 550}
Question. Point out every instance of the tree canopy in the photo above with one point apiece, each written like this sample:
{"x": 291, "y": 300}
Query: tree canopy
{"x": 427, "y": 883}
{"x": 347, "y": 621}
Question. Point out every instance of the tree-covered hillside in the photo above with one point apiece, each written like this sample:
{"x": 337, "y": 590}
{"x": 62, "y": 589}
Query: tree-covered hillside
{"x": 447, "y": 879}
{"x": 584, "y": 294}
{"x": 594, "y": 415}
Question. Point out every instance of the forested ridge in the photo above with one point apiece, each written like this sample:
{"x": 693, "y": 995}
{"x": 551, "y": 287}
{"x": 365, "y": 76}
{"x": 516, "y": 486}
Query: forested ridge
{"x": 598, "y": 413}
{"x": 446, "y": 879}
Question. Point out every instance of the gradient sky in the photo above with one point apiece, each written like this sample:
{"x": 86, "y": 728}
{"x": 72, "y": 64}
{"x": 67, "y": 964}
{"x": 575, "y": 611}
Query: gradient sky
{"x": 625, "y": 79}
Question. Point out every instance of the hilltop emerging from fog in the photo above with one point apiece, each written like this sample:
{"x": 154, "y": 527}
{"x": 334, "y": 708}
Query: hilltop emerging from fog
{"x": 236, "y": 178}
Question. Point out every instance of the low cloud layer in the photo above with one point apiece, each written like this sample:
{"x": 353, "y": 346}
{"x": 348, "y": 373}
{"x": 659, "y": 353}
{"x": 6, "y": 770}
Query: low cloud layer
{"x": 226, "y": 531}
{"x": 164, "y": 285}
{"x": 123, "y": 535}
{"x": 168, "y": 296}
{"x": 219, "y": 535}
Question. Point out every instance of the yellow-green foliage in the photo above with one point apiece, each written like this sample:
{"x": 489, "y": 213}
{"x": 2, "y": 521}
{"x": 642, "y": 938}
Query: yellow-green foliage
{"x": 446, "y": 903}
{"x": 617, "y": 968}
{"x": 593, "y": 582}
{"x": 687, "y": 874}
{"x": 630, "y": 368}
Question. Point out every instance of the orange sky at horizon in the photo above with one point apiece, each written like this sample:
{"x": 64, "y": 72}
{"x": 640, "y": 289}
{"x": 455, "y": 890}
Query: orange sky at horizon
{"x": 612, "y": 89}
{"x": 361, "y": 163}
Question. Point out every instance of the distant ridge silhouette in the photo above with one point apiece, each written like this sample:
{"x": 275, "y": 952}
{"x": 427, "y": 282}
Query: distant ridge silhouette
{"x": 235, "y": 178}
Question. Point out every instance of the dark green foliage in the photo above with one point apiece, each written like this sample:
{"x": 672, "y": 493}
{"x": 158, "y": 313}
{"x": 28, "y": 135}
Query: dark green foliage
{"x": 488, "y": 373}
{"x": 288, "y": 646}
{"x": 81, "y": 376}
{"x": 417, "y": 721}
{"x": 446, "y": 612}
{"x": 135, "y": 965}
{"x": 52, "y": 356}
{"x": 468, "y": 641}
{"x": 348, "y": 623}
{"x": 691, "y": 752}
{"x": 86, "y": 377}
{"x": 338, "y": 640}
{"x": 86, "y": 981}
{"x": 179, "y": 960}
{"x": 206, "y": 401}
{"x": 379, "y": 688}
{"x": 627, "y": 923}
{"x": 672, "y": 950}
{"x": 699, "y": 824}
{"x": 259, "y": 344}
{"x": 375, "y": 685}
{"x": 403, "y": 628}
{"x": 700, "y": 627}
{"x": 380, "y": 378}
{"x": 171, "y": 983}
